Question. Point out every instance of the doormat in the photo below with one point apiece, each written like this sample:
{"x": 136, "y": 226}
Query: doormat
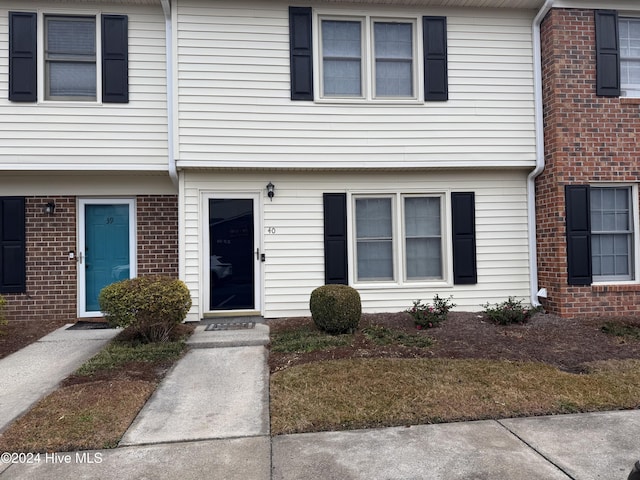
{"x": 230, "y": 326}
{"x": 82, "y": 325}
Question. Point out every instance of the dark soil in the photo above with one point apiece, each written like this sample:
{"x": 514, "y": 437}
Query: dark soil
{"x": 565, "y": 343}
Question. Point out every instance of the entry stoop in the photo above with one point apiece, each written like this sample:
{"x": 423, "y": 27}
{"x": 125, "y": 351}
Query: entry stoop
{"x": 230, "y": 332}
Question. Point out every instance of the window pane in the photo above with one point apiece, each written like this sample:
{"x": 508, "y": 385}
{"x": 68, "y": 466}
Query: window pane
{"x": 373, "y": 218}
{"x": 70, "y": 54}
{"x": 611, "y": 250}
{"x": 375, "y": 260}
{"x": 374, "y": 238}
{"x": 342, "y": 77}
{"x": 393, "y": 40}
{"x": 424, "y": 258}
{"x": 394, "y": 79}
{"x": 393, "y": 45}
{"x": 422, "y": 216}
{"x": 71, "y": 36}
{"x": 72, "y": 79}
{"x": 342, "y": 62}
{"x": 423, "y": 243}
{"x": 630, "y": 56}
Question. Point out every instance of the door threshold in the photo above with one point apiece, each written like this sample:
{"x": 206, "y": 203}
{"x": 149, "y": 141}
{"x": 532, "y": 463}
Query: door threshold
{"x": 231, "y": 313}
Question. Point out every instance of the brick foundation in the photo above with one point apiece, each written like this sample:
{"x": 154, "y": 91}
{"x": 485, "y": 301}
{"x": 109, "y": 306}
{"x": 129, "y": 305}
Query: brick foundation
{"x": 587, "y": 139}
{"x": 52, "y": 277}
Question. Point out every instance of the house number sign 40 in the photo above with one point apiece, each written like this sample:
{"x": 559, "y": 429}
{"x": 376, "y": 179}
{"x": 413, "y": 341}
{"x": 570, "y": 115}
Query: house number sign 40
{"x": 271, "y": 230}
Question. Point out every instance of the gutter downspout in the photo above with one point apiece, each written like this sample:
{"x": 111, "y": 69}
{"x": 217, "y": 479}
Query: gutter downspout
{"x": 539, "y": 128}
{"x": 173, "y": 171}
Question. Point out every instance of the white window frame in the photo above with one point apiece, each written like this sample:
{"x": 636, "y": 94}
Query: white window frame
{"x": 398, "y": 232}
{"x": 441, "y": 197}
{"x": 42, "y": 68}
{"x": 628, "y": 90}
{"x": 634, "y": 262}
{"x": 368, "y": 73}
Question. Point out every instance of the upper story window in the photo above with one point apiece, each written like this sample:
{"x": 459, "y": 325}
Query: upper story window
{"x": 630, "y": 56}
{"x": 70, "y": 58}
{"x": 359, "y": 57}
{"x": 367, "y": 58}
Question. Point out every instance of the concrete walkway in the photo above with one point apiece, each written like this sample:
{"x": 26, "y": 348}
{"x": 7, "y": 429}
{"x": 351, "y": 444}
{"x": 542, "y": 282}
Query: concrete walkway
{"x": 209, "y": 419}
{"x": 31, "y": 373}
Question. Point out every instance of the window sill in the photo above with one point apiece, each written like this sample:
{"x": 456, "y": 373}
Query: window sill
{"x": 615, "y": 288}
{"x": 365, "y": 101}
{"x": 395, "y": 285}
{"x": 70, "y": 103}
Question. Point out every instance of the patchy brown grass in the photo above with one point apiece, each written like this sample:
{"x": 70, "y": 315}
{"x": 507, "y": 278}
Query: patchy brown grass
{"x": 93, "y": 408}
{"x": 472, "y": 369}
{"x": 86, "y": 416}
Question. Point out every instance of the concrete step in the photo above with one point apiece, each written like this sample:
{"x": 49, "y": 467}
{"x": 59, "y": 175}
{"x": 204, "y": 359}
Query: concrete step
{"x": 258, "y": 335}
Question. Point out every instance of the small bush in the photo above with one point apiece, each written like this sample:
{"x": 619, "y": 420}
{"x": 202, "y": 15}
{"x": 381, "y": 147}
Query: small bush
{"x": 621, "y": 330}
{"x": 336, "y": 309}
{"x": 3, "y": 319}
{"x": 508, "y": 312}
{"x": 430, "y": 316}
{"x": 151, "y": 306}
{"x": 387, "y": 336}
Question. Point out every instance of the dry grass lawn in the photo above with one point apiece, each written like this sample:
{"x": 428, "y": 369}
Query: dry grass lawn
{"x": 371, "y": 392}
{"x": 93, "y": 408}
{"x": 389, "y": 374}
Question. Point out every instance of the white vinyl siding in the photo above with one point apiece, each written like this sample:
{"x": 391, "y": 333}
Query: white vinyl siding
{"x": 235, "y": 107}
{"x": 292, "y": 235}
{"x": 73, "y": 135}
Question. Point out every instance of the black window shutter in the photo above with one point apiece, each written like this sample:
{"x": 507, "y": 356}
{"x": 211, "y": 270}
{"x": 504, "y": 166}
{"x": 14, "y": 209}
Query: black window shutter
{"x": 300, "y": 53}
{"x": 12, "y": 245}
{"x": 115, "y": 59}
{"x": 464, "y": 238}
{"x": 434, "y": 35}
{"x": 607, "y": 54}
{"x": 23, "y": 63}
{"x": 578, "y": 234}
{"x": 335, "y": 238}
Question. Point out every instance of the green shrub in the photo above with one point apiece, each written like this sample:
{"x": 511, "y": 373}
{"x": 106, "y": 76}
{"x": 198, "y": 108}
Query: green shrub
{"x": 430, "y": 316}
{"x": 151, "y": 306}
{"x": 3, "y": 319}
{"x": 336, "y": 309}
{"x": 508, "y": 312}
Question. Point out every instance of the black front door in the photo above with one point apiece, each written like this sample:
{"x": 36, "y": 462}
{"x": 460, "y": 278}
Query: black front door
{"x": 231, "y": 254}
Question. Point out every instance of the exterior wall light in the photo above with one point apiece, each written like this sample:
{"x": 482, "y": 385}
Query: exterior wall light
{"x": 270, "y": 190}
{"x": 49, "y": 208}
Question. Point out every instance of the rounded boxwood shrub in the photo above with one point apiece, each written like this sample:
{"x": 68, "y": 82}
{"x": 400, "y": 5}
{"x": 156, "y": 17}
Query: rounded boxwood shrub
{"x": 151, "y": 306}
{"x": 336, "y": 309}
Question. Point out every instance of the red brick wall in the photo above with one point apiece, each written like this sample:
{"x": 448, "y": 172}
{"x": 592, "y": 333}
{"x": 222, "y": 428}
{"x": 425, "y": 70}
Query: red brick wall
{"x": 158, "y": 235}
{"x": 587, "y": 139}
{"x": 51, "y": 276}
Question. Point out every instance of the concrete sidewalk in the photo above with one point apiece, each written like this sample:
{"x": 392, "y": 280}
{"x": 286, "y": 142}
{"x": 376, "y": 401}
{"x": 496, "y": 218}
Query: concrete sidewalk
{"x": 209, "y": 419}
{"x": 29, "y": 374}
{"x": 591, "y": 446}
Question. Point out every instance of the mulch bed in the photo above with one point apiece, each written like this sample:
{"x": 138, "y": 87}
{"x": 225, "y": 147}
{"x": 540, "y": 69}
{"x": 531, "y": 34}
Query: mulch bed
{"x": 565, "y": 343}
{"x": 17, "y": 335}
